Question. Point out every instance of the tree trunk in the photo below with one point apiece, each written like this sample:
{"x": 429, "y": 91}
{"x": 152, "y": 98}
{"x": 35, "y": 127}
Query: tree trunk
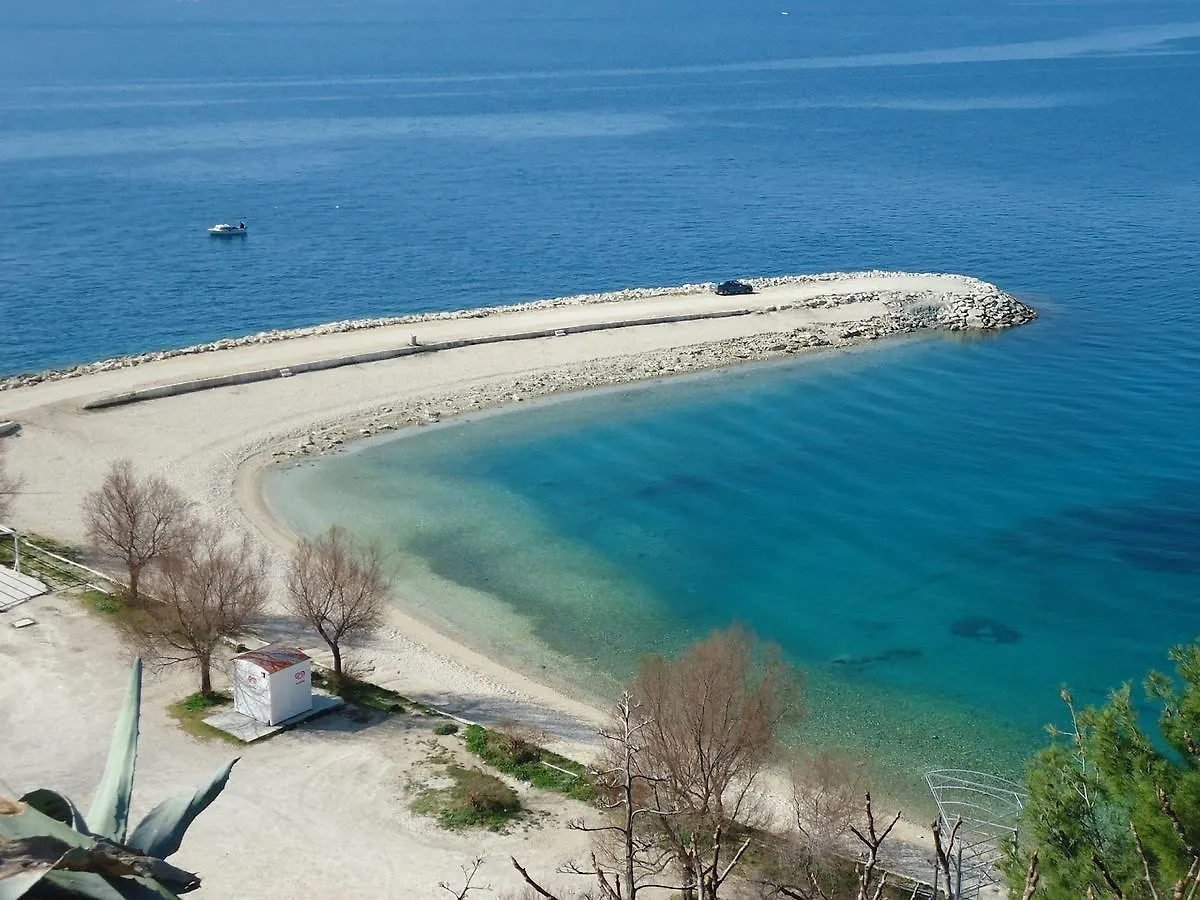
{"x": 206, "y": 676}
{"x": 135, "y": 573}
{"x": 337, "y": 662}
{"x": 630, "y": 885}
{"x": 688, "y": 879}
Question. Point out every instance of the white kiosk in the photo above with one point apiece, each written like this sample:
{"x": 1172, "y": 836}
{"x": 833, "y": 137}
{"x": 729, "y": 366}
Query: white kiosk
{"x": 272, "y": 684}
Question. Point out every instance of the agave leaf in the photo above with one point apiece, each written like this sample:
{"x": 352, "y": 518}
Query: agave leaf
{"x": 141, "y": 889}
{"x": 23, "y": 864}
{"x": 17, "y": 885}
{"x": 84, "y": 884}
{"x": 97, "y": 887}
{"x": 56, "y": 806}
{"x": 109, "y": 812}
{"x": 20, "y": 820}
{"x": 161, "y": 832}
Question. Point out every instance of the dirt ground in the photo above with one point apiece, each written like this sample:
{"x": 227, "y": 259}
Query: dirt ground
{"x": 322, "y": 810}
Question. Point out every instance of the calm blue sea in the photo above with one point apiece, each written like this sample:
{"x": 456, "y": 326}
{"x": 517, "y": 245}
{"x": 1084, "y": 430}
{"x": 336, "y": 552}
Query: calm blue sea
{"x": 940, "y": 532}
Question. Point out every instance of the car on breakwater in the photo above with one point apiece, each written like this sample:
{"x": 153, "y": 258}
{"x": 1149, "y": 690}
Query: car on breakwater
{"x": 729, "y": 288}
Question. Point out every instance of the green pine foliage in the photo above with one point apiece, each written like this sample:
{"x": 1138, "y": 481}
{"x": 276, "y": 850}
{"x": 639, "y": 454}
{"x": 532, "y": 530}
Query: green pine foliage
{"x": 1113, "y": 809}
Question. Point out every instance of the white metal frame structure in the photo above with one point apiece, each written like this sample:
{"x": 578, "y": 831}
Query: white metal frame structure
{"x": 16, "y": 588}
{"x": 988, "y": 807}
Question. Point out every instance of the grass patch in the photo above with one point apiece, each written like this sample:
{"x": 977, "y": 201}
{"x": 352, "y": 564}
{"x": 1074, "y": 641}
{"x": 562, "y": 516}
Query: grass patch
{"x": 190, "y": 712}
{"x": 37, "y": 564}
{"x": 112, "y": 607}
{"x": 446, "y": 728}
{"x": 522, "y": 759}
{"x": 475, "y": 800}
{"x": 57, "y": 547}
{"x": 363, "y": 693}
{"x": 102, "y": 602}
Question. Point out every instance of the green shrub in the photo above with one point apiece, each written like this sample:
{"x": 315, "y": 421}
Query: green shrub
{"x": 476, "y": 800}
{"x": 522, "y": 759}
{"x": 446, "y": 728}
{"x": 485, "y": 794}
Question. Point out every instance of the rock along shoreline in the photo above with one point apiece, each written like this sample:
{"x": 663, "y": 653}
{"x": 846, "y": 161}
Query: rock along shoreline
{"x": 983, "y": 307}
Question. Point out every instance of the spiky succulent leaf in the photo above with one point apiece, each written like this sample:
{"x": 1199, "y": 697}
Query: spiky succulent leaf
{"x": 56, "y": 806}
{"x": 22, "y": 866}
{"x": 84, "y": 884}
{"x": 20, "y": 820}
{"x": 17, "y": 885}
{"x": 97, "y": 887}
{"x": 161, "y": 832}
{"x": 141, "y": 889}
{"x": 109, "y": 812}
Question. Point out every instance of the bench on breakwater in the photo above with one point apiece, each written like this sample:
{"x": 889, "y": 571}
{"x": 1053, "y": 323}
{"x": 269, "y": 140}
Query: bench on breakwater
{"x": 141, "y": 395}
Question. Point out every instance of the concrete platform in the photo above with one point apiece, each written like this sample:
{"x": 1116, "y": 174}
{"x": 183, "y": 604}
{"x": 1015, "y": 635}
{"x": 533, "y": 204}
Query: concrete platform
{"x": 248, "y": 730}
{"x": 16, "y": 588}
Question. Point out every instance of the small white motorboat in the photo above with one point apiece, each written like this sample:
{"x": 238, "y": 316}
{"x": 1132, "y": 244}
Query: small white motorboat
{"x": 227, "y": 230}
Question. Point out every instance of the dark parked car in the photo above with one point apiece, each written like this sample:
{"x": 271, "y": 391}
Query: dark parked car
{"x": 726, "y": 288}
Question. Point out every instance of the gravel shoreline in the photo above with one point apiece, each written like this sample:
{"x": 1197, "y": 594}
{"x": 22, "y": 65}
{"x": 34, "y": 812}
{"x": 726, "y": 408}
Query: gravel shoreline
{"x": 989, "y": 309}
{"x": 985, "y": 307}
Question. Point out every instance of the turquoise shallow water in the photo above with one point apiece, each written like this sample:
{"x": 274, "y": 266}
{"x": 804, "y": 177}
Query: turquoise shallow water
{"x": 940, "y": 532}
{"x": 904, "y": 521}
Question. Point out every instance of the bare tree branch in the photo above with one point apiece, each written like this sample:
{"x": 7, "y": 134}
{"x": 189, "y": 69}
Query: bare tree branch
{"x": 712, "y": 719}
{"x": 541, "y": 891}
{"x": 943, "y": 850}
{"x": 1032, "y": 877}
{"x": 469, "y": 873}
{"x": 337, "y": 586}
{"x": 207, "y": 589}
{"x": 1107, "y": 875}
{"x": 872, "y": 840}
{"x": 1141, "y": 852}
{"x": 135, "y": 519}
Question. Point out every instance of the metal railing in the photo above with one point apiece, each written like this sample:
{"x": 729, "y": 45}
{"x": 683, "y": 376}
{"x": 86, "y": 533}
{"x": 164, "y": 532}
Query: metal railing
{"x": 986, "y": 809}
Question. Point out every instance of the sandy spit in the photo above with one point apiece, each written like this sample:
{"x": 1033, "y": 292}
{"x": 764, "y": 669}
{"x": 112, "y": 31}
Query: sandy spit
{"x": 320, "y": 787}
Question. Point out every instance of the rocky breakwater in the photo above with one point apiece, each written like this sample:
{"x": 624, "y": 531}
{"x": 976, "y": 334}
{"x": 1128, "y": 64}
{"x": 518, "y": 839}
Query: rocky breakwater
{"x": 980, "y": 305}
{"x": 984, "y": 307}
{"x": 287, "y": 334}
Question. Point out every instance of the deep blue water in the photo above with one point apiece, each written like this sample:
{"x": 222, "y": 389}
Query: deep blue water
{"x": 941, "y": 532}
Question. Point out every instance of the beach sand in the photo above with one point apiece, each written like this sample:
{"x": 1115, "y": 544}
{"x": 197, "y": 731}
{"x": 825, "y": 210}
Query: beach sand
{"x": 339, "y": 792}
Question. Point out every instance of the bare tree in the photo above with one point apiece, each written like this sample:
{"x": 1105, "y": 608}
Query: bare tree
{"x": 814, "y": 873}
{"x": 714, "y": 715}
{"x": 136, "y": 519}
{"x": 337, "y": 586}
{"x": 827, "y": 789}
{"x": 943, "y": 851}
{"x": 469, "y": 873}
{"x": 10, "y": 485}
{"x": 624, "y": 790}
{"x": 207, "y": 589}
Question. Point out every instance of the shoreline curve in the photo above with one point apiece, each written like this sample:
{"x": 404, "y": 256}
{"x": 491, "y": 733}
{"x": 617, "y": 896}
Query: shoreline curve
{"x": 215, "y": 443}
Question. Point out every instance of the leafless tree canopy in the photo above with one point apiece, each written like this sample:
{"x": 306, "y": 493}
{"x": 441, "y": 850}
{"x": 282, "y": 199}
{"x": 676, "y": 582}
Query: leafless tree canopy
{"x": 10, "y": 484}
{"x": 337, "y": 586}
{"x": 136, "y": 519}
{"x": 207, "y": 588}
{"x": 629, "y": 855}
{"x": 827, "y": 791}
{"x": 714, "y": 715}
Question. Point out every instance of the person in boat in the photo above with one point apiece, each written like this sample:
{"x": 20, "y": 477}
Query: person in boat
{"x": 242, "y": 226}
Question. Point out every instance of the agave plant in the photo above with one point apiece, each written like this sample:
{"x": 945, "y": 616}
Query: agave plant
{"x": 49, "y": 850}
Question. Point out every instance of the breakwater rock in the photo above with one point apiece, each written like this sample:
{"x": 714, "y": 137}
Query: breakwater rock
{"x": 906, "y": 313}
{"x": 979, "y": 306}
